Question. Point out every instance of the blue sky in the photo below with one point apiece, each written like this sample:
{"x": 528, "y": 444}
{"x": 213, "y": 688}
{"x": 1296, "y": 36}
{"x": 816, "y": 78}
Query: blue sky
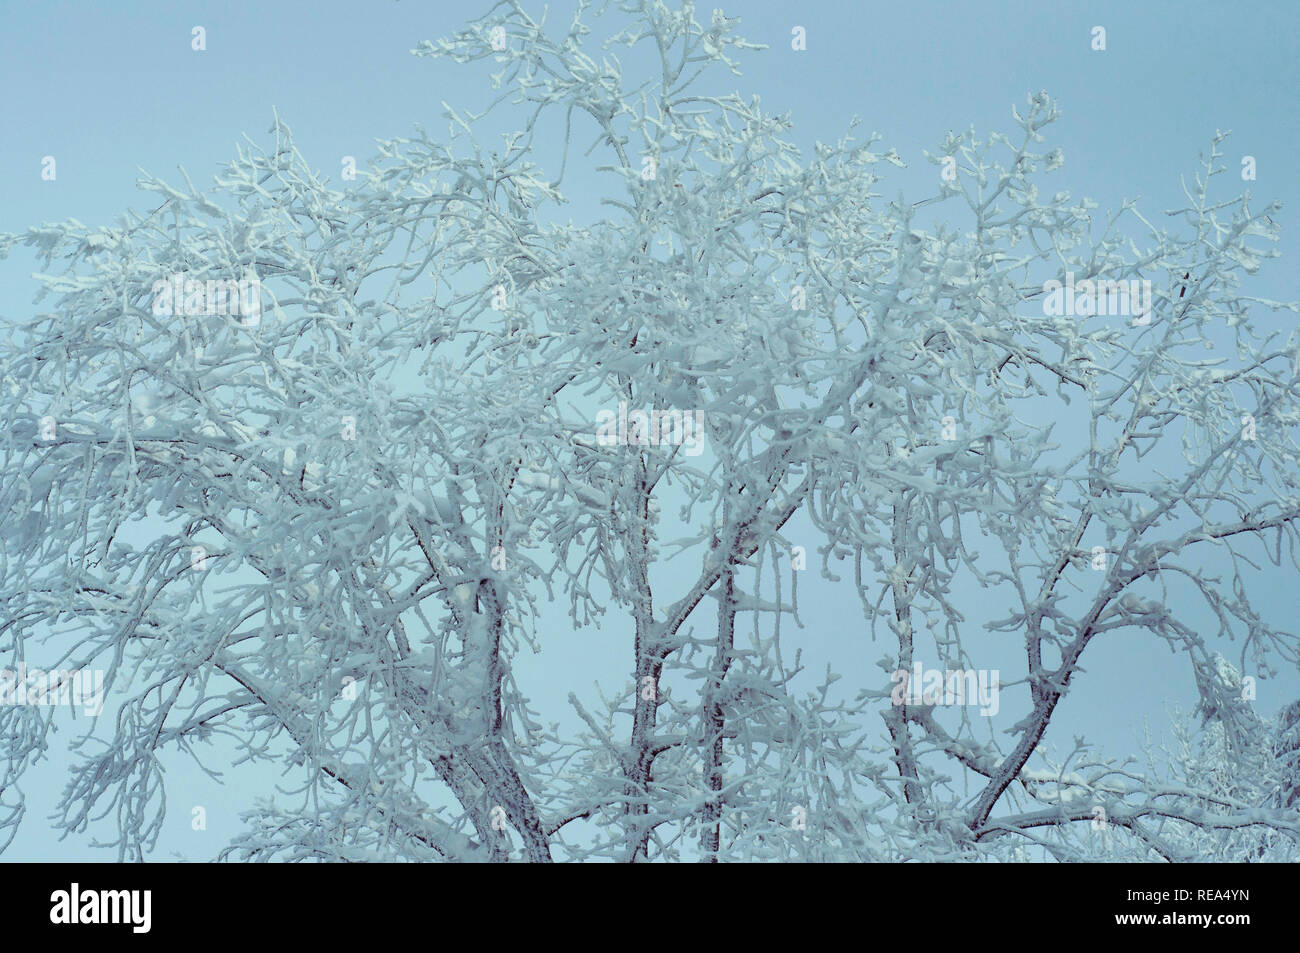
{"x": 110, "y": 88}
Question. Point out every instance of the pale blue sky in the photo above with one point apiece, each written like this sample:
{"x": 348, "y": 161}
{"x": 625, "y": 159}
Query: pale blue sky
{"x": 107, "y": 88}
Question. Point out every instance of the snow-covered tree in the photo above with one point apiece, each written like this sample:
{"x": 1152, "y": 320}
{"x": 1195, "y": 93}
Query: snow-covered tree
{"x": 1228, "y": 762}
{"x": 321, "y": 525}
{"x": 1287, "y": 750}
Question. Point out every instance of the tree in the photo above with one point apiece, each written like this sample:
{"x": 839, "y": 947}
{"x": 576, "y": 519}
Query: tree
{"x": 1232, "y": 760}
{"x": 438, "y": 417}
